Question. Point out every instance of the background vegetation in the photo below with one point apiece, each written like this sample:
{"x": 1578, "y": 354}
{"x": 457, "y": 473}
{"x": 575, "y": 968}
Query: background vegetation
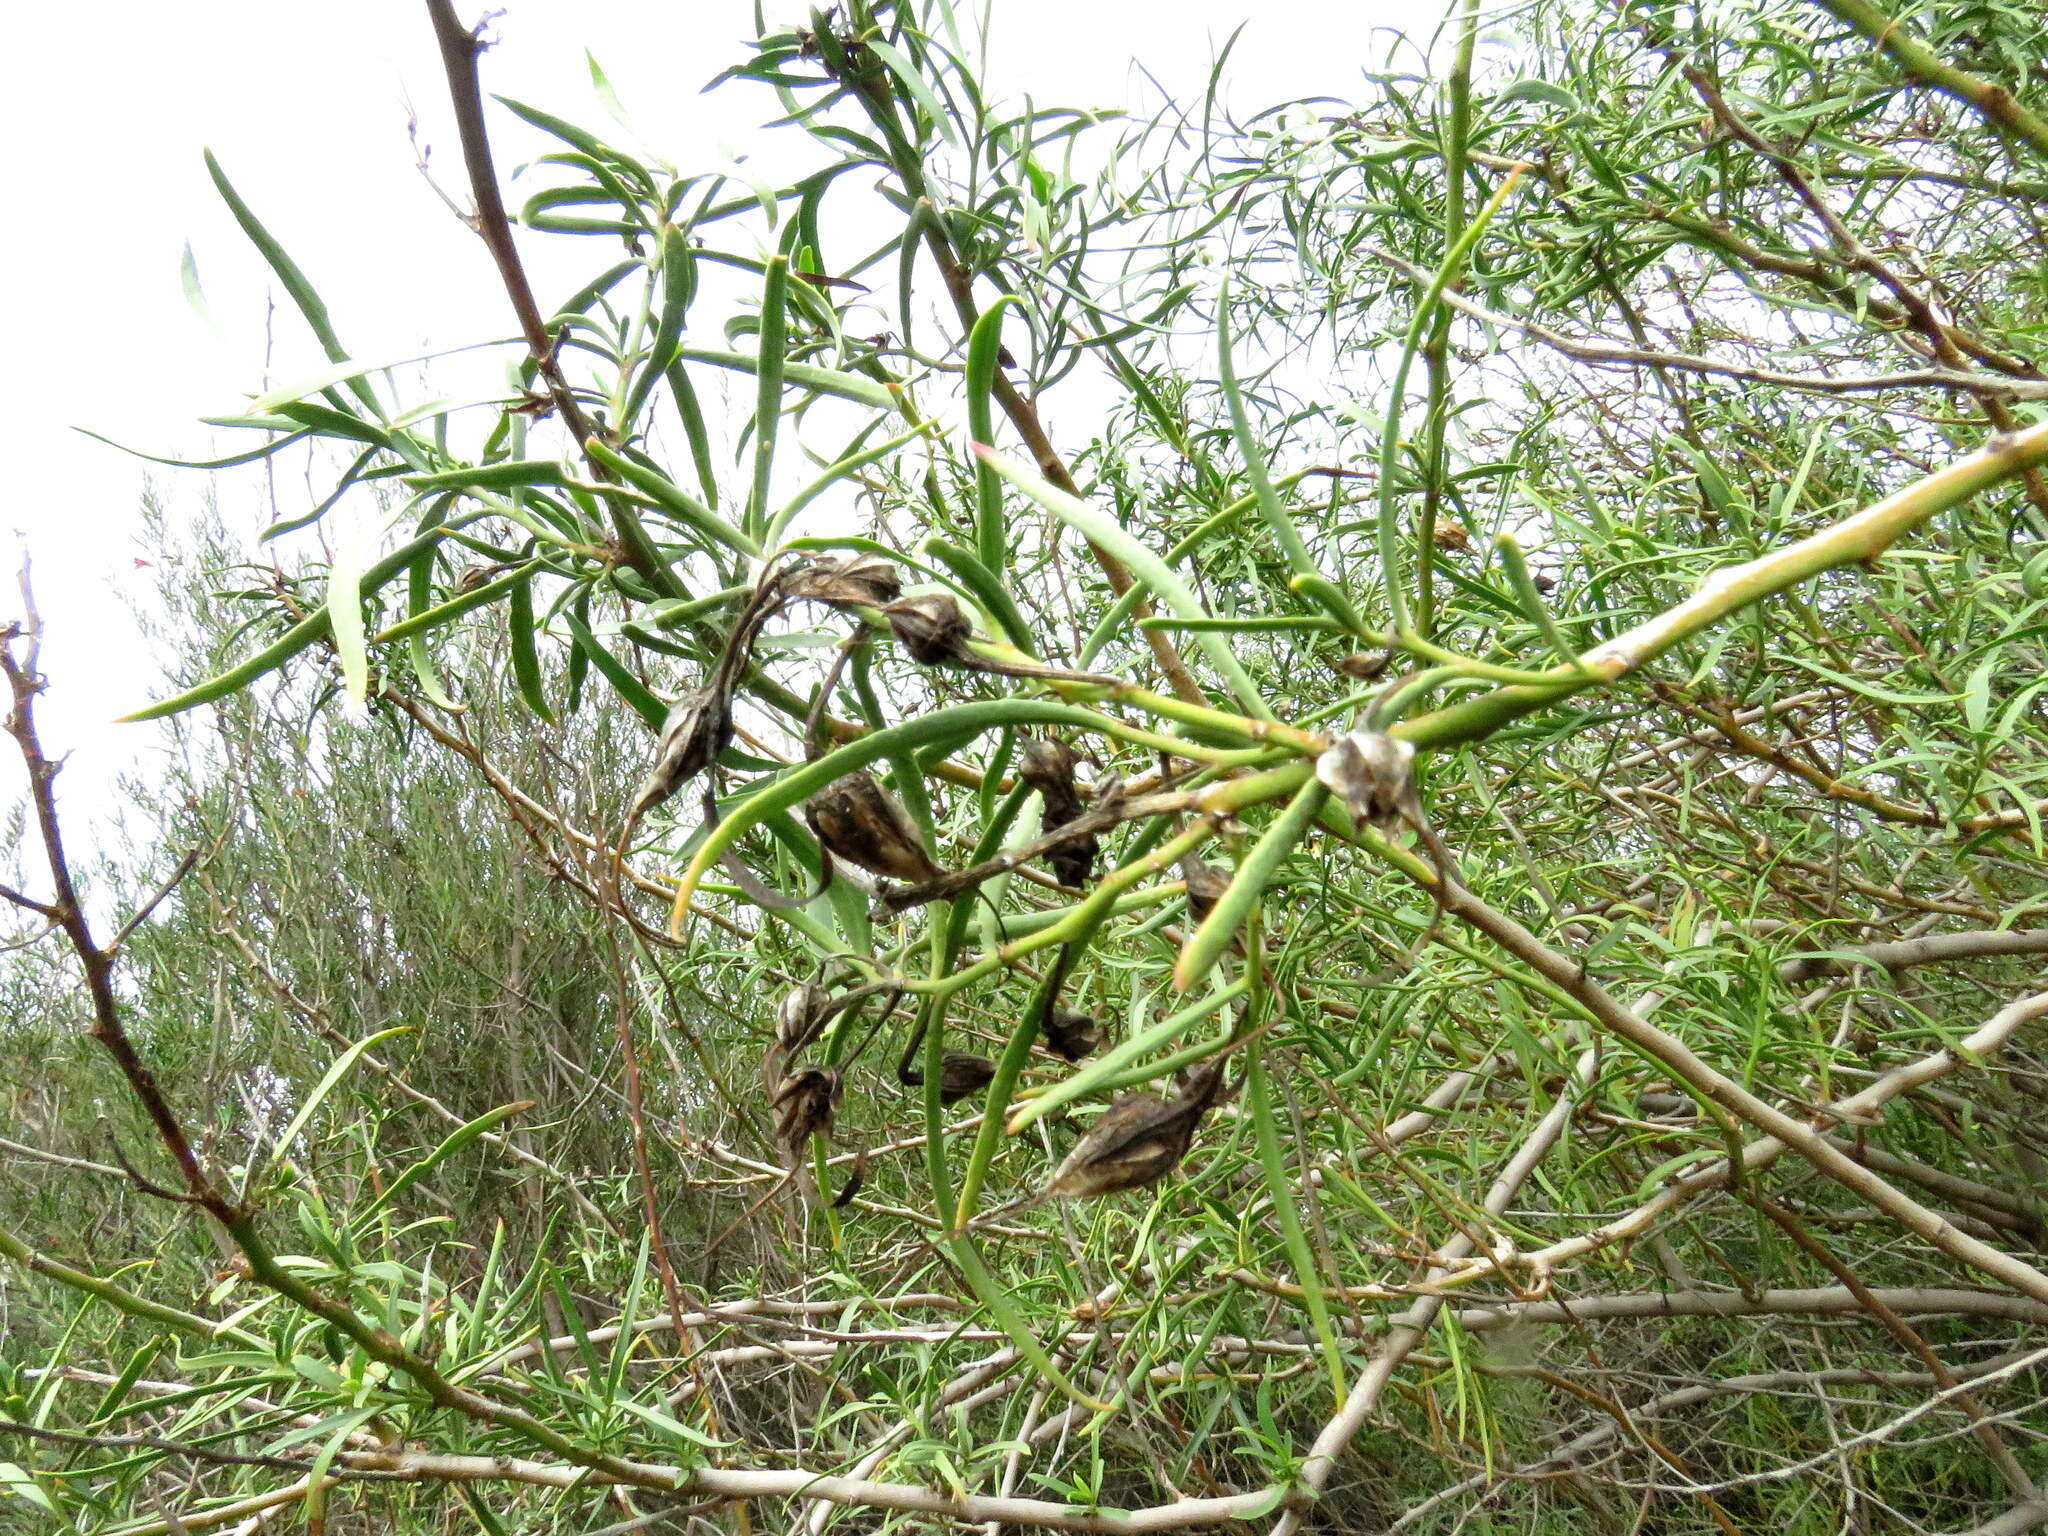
{"x": 1414, "y": 907}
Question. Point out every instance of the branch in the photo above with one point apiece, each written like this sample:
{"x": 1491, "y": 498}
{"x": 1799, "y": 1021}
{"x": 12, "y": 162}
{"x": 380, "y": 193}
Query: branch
{"x": 1993, "y": 102}
{"x": 1573, "y": 1450}
{"x": 459, "y": 49}
{"x": 1858, "y": 539}
{"x": 1413, "y": 1325}
{"x": 1903, "y": 954}
{"x": 155, "y": 1443}
{"x": 1730, "y": 1096}
{"x": 1607, "y": 355}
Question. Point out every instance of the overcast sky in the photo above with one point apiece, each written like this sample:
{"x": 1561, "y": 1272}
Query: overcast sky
{"x": 109, "y": 106}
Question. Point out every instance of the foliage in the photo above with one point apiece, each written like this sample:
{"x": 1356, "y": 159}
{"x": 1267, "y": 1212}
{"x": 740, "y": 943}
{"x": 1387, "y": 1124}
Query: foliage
{"x": 1522, "y": 1019}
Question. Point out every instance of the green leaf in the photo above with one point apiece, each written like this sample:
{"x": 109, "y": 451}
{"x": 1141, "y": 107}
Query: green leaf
{"x": 674, "y": 1428}
{"x": 455, "y": 1142}
{"x": 19, "y": 1484}
{"x": 820, "y": 381}
{"x": 333, "y": 1075}
{"x": 1144, "y": 564}
{"x": 344, "y": 607}
{"x": 1870, "y": 690}
{"x": 907, "y": 75}
{"x": 1208, "y": 942}
{"x": 506, "y": 475}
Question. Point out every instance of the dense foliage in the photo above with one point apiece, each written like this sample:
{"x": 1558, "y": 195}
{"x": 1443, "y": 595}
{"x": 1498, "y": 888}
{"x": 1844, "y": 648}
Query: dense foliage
{"x": 1332, "y": 820}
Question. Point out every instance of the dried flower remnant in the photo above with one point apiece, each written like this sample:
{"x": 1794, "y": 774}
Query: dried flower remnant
{"x": 1070, "y": 1035}
{"x": 856, "y": 820}
{"x": 804, "y": 1106}
{"x": 1374, "y": 775}
{"x": 845, "y": 581}
{"x": 1138, "y": 1141}
{"x": 1048, "y": 767}
{"x": 931, "y": 627}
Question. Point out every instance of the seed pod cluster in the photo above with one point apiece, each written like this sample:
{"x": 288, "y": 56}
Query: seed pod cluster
{"x": 931, "y": 628}
{"x": 1047, "y": 766}
{"x": 1138, "y": 1141}
{"x": 856, "y": 820}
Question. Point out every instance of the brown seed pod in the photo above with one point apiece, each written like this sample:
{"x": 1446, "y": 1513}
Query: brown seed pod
{"x": 1139, "y": 1140}
{"x": 804, "y": 1106}
{"x": 855, "y": 820}
{"x": 962, "y": 1074}
{"x": 930, "y": 627}
{"x": 845, "y": 580}
{"x": 1374, "y": 775}
{"x": 698, "y": 728}
{"x": 855, "y": 1180}
{"x": 1047, "y": 765}
{"x": 1364, "y": 665}
{"x": 1206, "y": 885}
{"x": 799, "y": 1015}
{"x": 1070, "y": 1035}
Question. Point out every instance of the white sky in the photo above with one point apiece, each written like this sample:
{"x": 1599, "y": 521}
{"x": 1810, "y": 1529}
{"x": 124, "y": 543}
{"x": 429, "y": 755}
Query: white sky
{"x": 108, "y": 107}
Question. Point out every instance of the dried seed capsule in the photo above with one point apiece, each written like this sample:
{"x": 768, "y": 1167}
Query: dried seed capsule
{"x": 855, "y": 820}
{"x": 799, "y": 1014}
{"x": 698, "y": 728}
{"x": 1364, "y": 665}
{"x": 930, "y": 626}
{"x": 962, "y": 1074}
{"x": 845, "y": 580}
{"x": 1206, "y": 885}
{"x": 804, "y": 1106}
{"x": 1047, "y": 766}
{"x": 1070, "y": 1035}
{"x": 1139, "y": 1140}
{"x": 1374, "y": 775}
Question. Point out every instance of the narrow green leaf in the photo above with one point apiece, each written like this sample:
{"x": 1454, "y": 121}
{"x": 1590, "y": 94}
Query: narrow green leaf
{"x": 984, "y": 354}
{"x": 821, "y": 381}
{"x": 1144, "y": 564}
{"x": 525, "y": 655}
{"x": 442, "y": 613}
{"x": 302, "y": 293}
{"x": 455, "y": 1142}
{"x": 630, "y": 688}
{"x": 1285, "y": 534}
{"x": 506, "y": 475}
{"x": 345, "y": 617}
{"x": 774, "y": 343}
{"x": 920, "y": 91}
{"x": 673, "y": 499}
{"x": 1208, "y": 942}
{"x": 334, "y": 1074}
